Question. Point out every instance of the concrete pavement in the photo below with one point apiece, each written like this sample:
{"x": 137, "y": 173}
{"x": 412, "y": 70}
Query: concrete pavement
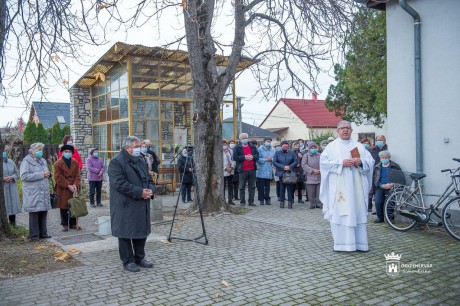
{"x": 269, "y": 256}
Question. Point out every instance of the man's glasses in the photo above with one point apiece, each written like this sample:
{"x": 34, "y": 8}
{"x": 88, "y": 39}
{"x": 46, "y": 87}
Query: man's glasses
{"x": 345, "y": 128}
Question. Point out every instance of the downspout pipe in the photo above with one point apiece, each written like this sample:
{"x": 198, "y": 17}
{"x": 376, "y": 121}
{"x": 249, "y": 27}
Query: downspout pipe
{"x": 418, "y": 84}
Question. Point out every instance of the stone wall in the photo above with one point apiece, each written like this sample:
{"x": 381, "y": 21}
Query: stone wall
{"x": 80, "y": 122}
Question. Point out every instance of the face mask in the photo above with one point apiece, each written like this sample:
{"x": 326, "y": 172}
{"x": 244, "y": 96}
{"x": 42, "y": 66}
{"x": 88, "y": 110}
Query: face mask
{"x": 70, "y": 142}
{"x": 185, "y": 155}
{"x": 144, "y": 150}
{"x": 385, "y": 161}
{"x": 136, "y": 151}
{"x": 232, "y": 145}
{"x": 367, "y": 146}
{"x": 278, "y": 148}
{"x": 96, "y": 155}
{"x": 39, "y": 154}
{"x": 245, "y": 141}
{"x": 268, "y": 144}
{"x": 67, "y": 155}
{"x": 4, "y": 154}
{"x": 313, "y": 151}
{"x": 225, "y": 147}
{"x": 379, "y": 143}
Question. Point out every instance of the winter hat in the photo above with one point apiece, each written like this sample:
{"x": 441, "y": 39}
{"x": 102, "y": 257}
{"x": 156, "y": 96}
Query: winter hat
{"x": 330, "y": 139}
{"x": 267, "y": 138}
{"x": 92, "y": 151}
{"x": 67, "y": 147}
{"x": 284, "y": 142}
{"x": 311, "y": 144}
{"x": 324, "y": 142}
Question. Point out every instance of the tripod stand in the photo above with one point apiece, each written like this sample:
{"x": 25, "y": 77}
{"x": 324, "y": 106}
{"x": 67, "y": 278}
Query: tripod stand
{"x": 189, "y": 162}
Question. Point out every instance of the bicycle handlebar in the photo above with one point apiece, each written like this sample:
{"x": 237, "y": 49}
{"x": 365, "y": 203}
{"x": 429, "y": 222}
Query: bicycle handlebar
{"x": 456, "y": 159}
{"x": 445, "y": 170}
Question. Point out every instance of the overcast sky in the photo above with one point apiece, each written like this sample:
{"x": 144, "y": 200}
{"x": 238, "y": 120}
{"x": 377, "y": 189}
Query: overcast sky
{"x": 254, "y": 110}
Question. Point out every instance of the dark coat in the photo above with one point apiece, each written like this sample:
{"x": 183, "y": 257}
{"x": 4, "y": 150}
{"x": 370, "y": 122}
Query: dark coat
{"x": 129, "y": 212}
{"x": 377, "y": 170}
{"x": 155, "y": 162}
{"x": 238, "y": 156}
{"x": 185, "y": 164}
{"x": 284, "y": 158}
{"x": 63, "y": 177}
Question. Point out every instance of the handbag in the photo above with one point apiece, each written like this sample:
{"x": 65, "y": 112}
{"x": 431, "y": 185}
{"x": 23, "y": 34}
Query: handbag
{"x": 302, "y": 177}
{"x": 53, "y": 197}
{"x": 289, "y": 178}
{"x": 77, "y": 207}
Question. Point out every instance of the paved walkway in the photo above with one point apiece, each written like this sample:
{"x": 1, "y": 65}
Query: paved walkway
{"x": 269, "y": 256}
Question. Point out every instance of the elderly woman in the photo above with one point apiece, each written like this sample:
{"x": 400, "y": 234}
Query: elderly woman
{"x": 35, "y": 176}
{"x": 67, "y": 178}
{"x": 310, "y": 166}
{"x": 10, "y": 176}
{"x": 382, "y": 184}
{"x": 95, "y": 169}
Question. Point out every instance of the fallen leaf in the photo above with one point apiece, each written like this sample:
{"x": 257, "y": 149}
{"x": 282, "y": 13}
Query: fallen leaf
{"x": 177, "y": 226}
{"x": 39, "y": 247}
{"x": 217, "y": 294}
{"x": 65, "y": 82}
{"x": 73, "y": 251}
{"x": 224, "y": 283}
{"x": 165, "y": 241}
{"x": 62, "y": 256}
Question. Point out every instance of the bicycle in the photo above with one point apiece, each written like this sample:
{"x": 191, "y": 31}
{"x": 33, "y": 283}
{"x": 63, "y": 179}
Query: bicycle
{"x": 405, "y": 206}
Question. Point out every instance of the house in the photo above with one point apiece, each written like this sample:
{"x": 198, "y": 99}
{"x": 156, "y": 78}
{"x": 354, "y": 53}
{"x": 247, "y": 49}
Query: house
{"x": 423, "y": 68}
{"x": 307, "y": 118}
{"x": 253, "y": 131}
{"x": 47, "y": 113}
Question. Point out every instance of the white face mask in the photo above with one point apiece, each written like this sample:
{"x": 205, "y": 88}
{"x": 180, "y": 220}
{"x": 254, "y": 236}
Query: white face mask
{"x": 136, "y": 151}
{"x": 232, "y": 145}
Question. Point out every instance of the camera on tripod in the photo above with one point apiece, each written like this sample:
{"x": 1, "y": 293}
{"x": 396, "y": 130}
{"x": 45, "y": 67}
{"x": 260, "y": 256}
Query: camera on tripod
{"x": 189, "y": 149}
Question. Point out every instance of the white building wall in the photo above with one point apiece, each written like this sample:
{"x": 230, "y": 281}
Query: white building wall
{"x": 282, "y": 116}
{"x": 440, "y": 45}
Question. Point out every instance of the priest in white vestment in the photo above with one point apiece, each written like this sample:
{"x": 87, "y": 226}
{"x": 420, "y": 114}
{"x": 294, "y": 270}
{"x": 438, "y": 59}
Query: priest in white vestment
{"x": 346, "y": 178}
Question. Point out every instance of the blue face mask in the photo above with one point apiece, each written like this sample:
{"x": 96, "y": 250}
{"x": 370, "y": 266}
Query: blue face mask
{"x": 67, "y": 155}
{"x": 96, "y": 155}
{"x": 268, "y": 144}
{"x": 245, "y": 141}
{"x": 144, "y": 150}
{"x": 136, "y": 152}
{"x": 278, "y": 148}
{"x": 379, "y": 143}
{"x": 39, "y": 154}
{"x": 367, "y": 146}
{"x": 313, "y": 151}
{"x": 4, "y": 154}
{"x": 185, "y": 155}
{"x": 384, "y": 161}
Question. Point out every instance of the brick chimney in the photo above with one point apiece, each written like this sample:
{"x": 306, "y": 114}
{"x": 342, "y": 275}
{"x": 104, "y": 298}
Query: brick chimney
{"x": 314, "y": 95}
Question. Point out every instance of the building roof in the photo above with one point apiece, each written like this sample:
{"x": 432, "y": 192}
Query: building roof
{"x": 376, "y": 4}
{"x": 50, "y": 112}
{"x": 251, "y": 130}
{"x": 167, "y": 59}
{"x": 312, "y": 112}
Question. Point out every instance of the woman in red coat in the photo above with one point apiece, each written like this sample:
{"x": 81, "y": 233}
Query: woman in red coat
{"x": 67, "y": 179}
{"x": 67, "y": 140}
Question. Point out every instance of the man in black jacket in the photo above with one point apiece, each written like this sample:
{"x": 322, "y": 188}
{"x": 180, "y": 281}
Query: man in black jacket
{"x": 131, "y": 188}
{"x": 246, "y": 155}
{"x": 156, "y": 160}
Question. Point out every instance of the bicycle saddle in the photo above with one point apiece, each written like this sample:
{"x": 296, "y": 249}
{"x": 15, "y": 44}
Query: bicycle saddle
{"x": 417, "y": 176}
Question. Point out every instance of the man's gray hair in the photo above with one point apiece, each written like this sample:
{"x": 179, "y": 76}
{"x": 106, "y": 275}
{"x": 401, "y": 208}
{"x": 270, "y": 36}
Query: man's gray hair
{"x": 343, "y": 122}
{"x": 385, "y": 153}
{"x": 242, "y": 134}
{"x": 147, "y": 142}
{"x": 128, "y": 141}
{"x": 36, "y": 145}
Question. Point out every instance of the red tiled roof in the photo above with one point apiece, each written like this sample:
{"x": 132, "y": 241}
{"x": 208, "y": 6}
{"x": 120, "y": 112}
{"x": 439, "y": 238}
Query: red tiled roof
{"x": 312, "y": 112}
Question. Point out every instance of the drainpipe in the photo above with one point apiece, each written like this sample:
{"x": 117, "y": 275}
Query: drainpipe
{"x": 418, "y": 85}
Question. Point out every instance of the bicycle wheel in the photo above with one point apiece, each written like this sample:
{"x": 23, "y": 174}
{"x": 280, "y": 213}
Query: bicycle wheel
{"x": 451, "y": 218}
{"x": 397, "y": 202}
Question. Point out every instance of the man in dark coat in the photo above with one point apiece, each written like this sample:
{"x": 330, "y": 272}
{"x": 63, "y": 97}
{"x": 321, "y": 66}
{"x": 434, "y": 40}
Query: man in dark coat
{"x": 246, "y": 155}
{"x": 380, "y": 145}
{"x": 131, "y": 188}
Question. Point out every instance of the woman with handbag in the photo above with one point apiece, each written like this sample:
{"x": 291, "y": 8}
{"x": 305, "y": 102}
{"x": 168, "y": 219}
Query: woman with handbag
{"x": 36, "y": 191}
{"x": 285, "y": 162}
{"x": 310, "y": 166}
{"x": 67, "y": 178}
{"x": 10, "y": 190}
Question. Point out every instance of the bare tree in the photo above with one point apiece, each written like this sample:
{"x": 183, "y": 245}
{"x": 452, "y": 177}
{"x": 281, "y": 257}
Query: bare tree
{"x": 290, "y": 40}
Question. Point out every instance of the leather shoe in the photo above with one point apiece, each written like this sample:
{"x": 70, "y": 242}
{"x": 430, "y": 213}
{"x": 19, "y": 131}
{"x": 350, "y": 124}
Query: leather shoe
{"x": 378, "y": 221}
{"x": 131, "y": 267}
{"x": 145, "y": 264}
{"x": 45, "y": 236}
{"x": 252, "y": 204}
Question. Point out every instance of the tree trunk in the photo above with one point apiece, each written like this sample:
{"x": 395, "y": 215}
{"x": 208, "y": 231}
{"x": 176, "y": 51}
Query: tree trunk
{"x": 207, "y": 98}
